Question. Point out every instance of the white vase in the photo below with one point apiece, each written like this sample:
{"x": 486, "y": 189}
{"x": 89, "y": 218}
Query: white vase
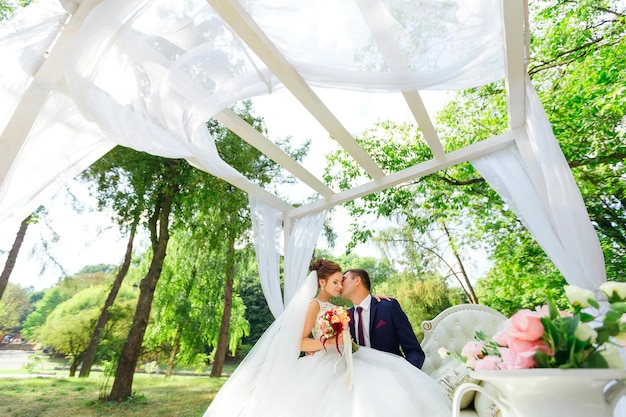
{"x": 550, "y": 392}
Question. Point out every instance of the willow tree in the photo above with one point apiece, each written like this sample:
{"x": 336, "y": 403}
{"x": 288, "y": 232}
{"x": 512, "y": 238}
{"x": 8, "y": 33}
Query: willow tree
{"x": 189, "y": 304}
{"x": 227, "y": 223}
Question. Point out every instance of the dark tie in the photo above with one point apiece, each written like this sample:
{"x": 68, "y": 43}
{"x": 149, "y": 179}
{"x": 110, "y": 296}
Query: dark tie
{"x": 360, "y": 326}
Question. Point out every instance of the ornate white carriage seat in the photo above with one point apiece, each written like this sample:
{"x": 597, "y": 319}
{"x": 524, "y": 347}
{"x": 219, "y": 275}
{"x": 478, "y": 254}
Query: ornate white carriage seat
{"x": 451, "y": 329}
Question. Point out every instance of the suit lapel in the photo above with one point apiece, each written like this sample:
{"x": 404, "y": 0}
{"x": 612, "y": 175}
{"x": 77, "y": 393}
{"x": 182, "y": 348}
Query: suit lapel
{"x": 352, "y": 332}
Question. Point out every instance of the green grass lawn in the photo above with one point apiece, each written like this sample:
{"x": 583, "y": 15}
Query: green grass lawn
{"x": 178, "y": 396}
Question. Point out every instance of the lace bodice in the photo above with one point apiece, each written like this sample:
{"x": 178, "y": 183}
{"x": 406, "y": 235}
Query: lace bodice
{"x": 324, "y": 307}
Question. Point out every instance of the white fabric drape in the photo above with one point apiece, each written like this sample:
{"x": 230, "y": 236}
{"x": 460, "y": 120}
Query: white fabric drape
{"x": 60, "y": 143}
{"x": 299, "y": 248}
{"x": 266, "y": 223}
{"x": 149, "y": 73}
{"x": 538, "y": 185}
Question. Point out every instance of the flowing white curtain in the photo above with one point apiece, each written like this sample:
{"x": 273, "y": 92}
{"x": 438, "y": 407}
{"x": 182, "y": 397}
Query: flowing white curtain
{"x": 267, "y": 226}
{"x": 148, "y": 74}
{"x": 299, "y": 247}
{"x": 534, "y": 179}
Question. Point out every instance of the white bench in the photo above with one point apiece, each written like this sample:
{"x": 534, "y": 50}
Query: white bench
{"x": 451, "y": 329}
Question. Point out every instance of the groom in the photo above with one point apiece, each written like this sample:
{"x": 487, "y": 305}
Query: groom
{"x": 380, "y": 324}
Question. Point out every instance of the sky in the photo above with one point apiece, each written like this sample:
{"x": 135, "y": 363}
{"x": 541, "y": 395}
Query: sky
{"x": 88, "y": 237}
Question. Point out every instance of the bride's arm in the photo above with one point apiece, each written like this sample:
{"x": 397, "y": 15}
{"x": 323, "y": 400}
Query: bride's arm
{"x": 308, "y": 344}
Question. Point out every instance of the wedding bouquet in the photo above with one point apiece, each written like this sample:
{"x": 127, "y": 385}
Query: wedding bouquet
{"x": 550, "y": 338}
{"x": 332, "y": 323}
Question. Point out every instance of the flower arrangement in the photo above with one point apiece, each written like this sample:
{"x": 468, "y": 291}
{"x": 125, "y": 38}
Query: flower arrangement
{"x": 550, "y": 338}
{"x": 332, "y": 323}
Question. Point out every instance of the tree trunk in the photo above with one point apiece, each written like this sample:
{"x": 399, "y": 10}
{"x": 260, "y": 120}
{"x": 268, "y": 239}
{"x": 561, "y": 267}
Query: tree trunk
{"x": 123, "y": 384}
{"x": 222, "y": 341}
{"x": 92, "y": 349}
{"x": 172, "y": 359}
{"x": 10, "y": 262}
{"x": 74, "y": 365}
{"x": 467, "y": 285}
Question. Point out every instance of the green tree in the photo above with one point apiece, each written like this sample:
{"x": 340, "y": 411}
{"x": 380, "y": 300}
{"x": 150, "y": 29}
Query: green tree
{"x": 14, "y": 307}
{"x": 226, "y": 224}
{"x": 137, "y": 185}
{"x": 426, "y": 210}
{"x": 421, "y": 299}
{"x": 258, "y": 313}
{"x": 578, "y": 65}
{"x": 69, "y": 326}
{"x": 518, "y": 280}
{"x": 12, "y": 256}
{"x": 91, "y": 351}
{"x": 50, "y": 300}
{"x": 187, "y": 304}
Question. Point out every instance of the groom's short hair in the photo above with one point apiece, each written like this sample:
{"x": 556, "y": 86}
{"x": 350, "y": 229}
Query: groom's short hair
{"x": 365, "y": 277}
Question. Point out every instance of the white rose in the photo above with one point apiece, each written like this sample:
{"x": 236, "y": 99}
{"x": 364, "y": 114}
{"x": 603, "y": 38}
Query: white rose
{"x": 611, "y": 287}
{"x": 578, "y": 296}
{"x": 611, "y": 354}
{"x": 443, "y": 352}
{"x": 585, "y": 333}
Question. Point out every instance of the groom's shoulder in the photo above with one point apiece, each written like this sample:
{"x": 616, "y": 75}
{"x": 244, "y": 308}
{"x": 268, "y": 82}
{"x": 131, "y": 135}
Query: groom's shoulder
{"x": 384, "y": 303}
{"x": 387, "y": 305}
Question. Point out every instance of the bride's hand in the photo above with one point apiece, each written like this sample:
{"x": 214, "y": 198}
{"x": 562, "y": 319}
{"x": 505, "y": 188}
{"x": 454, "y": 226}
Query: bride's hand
{"x": 331, "y": 340}
{"x": 378, "y": 297}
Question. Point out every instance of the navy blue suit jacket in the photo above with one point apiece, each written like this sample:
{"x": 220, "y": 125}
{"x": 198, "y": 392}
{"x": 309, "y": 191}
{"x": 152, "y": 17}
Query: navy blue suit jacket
{"x": 391, "y": 331}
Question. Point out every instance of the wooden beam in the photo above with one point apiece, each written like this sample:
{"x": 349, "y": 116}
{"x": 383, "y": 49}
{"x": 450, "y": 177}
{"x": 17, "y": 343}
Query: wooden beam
{"x": 415, "y": 103}
{"x": 514, "y": 12}
{"x": 246, "y": 28}
{"x": 382, "y": 27}
{"x": 243, "y": 129}
{"x": 470, "y": 152}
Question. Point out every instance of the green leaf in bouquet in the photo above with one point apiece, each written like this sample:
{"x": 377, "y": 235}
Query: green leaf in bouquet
{"x": 585, "y": 317}
{"x": 596, "y": 360}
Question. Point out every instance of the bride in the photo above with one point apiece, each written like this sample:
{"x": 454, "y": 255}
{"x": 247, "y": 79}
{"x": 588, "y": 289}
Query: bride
{"x": 329, "y": 380}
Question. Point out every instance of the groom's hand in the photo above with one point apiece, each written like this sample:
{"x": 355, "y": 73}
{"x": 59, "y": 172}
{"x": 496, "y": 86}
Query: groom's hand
{"x": 379, "y": 297}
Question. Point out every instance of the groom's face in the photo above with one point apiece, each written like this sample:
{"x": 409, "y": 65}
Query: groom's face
{"x": 348, "y": 285}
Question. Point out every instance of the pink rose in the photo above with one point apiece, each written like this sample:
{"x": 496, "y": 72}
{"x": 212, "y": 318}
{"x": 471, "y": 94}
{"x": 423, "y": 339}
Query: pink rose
{"x": 502, "y": 337}
{"x": 520, "y": 353}
{"x": 527, "y": 347}
{"x": 472, "y": 351}
{"x": 515, "y": 360}
{"x": 525, "y": 325}
{"x": 488, "y": 363}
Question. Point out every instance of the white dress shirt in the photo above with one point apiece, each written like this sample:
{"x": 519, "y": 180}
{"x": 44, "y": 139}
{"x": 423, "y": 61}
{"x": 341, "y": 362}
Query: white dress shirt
{"x": 365, "y": 315}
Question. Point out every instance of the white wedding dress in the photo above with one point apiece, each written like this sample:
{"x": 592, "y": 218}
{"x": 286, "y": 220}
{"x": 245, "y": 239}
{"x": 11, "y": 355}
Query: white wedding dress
{"x": 273, "y": 381}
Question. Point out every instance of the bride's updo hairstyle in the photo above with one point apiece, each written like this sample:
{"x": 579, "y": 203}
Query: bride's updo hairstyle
{"x": 324, "y": 267}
